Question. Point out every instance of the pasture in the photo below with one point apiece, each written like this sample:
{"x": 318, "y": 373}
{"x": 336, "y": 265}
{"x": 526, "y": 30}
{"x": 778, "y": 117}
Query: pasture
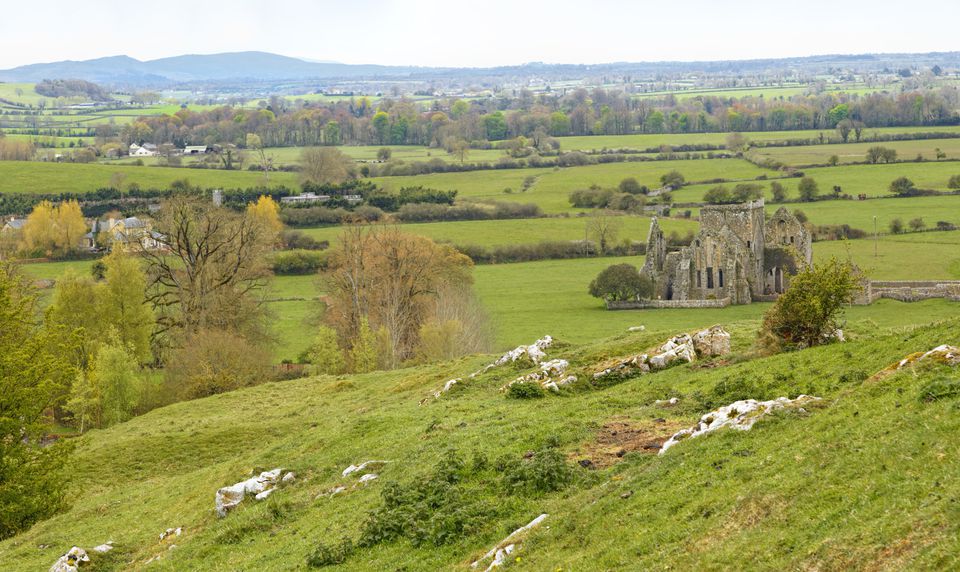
{"x": 41, "y": 177}
{"x": 490, "y": 233}
{"x": 856, "y": 152}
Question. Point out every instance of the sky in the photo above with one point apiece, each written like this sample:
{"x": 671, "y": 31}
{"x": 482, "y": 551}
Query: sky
{"x": 478, "y": 33}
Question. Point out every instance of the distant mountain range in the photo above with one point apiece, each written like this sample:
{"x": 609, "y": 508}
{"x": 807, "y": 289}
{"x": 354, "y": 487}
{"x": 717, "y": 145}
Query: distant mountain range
{"x": 262, "y": 66}
{"x": 194, "y": 68}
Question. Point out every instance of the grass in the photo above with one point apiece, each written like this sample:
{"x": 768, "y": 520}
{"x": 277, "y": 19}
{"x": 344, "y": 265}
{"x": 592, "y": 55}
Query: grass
{"x": 489, "y": 233}
{"x": 866, "y": 479}
{"x": 643, "y": 141}
{"x": 914, "y": 256}
{"x": 40, "y": 177}
{"x": 856, "y": 152}
{"x": 553, "y": 186}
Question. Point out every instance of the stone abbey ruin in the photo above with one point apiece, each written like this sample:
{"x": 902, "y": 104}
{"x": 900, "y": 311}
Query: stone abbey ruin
{"x": 737, "y": 257}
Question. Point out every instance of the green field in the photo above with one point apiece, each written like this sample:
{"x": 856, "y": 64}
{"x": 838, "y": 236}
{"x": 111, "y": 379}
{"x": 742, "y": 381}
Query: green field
{"x": 870, "y": 180}
{"x": 41, "y": 177}
{"x": 553, "y": 186}
{"x": 651, "y": 140}
{"x": 489, "y": 233}
{"x": 856, "y": 152}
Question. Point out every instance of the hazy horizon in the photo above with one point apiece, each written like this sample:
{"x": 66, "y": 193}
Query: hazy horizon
{"x": 430, "y": 33}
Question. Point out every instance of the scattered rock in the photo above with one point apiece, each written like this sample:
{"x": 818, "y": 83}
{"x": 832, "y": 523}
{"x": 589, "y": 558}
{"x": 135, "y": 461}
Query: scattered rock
{"x": 446, "y": 387}
{"x": 498, "y": 554}
{"x": 626, "y": 495}
{"x": 171, "y": 532}
{"x": 289, "y": 477}
{"x": 362, "y": 467}
{"x": 944, "y": 354}
{"x": 665, "y": 402}
{"x": 713, "y": 341}
{"x": 104, "y": 548}
{"x": 739, "y": 415}
{"x": 260, "y": 486}
{"x": 71, "y": 561}
{"x": 535, "y": 352}
{"x": 367, "y": 478}
{"x": 549, "y": 376}
{"x": 636, "y": 328}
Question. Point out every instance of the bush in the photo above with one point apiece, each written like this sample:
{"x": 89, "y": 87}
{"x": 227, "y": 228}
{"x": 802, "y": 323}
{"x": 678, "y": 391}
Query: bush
{"x": 896, "y": 226}
{"x": 298, "y": 262}
{"x": 621, "y": 282}
{"x": 214, "y": 361}
{"x": 808, "y": 189}
{"x": 530, "y": 390}
{"x": 546, "y": 471}
{"x": 327, "y": 555}
{"x": 779, "y": 192}
{"x": 435, "y": 509}
{"x": 630, "y": 185}
{"x": 296, "y": 240}
{"x": 954, "y": 183}
{"x": 808, "y": 312}
{"x": 719, "y": 195}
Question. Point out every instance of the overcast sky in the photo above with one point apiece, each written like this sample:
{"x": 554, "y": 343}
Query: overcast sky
{"x": 473, "y": 33}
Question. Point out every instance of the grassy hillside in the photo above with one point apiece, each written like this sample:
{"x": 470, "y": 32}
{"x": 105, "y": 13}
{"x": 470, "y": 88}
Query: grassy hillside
{"x": 867, "y": 479}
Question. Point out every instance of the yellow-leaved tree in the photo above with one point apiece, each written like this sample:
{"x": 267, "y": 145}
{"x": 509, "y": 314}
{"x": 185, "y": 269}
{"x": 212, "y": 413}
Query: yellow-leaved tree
{"x": 266, "y": 213}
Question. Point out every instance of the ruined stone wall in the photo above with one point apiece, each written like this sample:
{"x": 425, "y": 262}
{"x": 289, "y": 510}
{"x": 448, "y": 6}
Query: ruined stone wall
{"x": 910, "y": 291}
{"x": 656, "y": 304}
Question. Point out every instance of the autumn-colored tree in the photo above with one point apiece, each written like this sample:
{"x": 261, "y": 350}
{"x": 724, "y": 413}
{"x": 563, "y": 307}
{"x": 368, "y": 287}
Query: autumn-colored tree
{"x": 266, "y": 213}
{"x": 38, "y": 230}
{"x": 394, "y": 281}
{"x": 70, "y": 226}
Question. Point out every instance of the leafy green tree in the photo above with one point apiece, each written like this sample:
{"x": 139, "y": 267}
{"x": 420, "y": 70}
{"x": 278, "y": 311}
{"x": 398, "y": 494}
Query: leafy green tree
{"x": 917, "y": 224}
{"x": 719, "y": 195}
{"x": 621, "y": 282}
{"x": 673, "y": 179}
{"x": 902, "y": 186}
{"x": 35, "y": 374}
{"x": 779, "y": 192}
{"x": 896, "y": 226}
{"x": 116, "y": 375}
{"x": 809, "y": 312}
{"x": 75, "y": 307}
{"x": 381, "y": 126}
{"x": 123, "y": 303}
{"x": 744, "y": 192}
{"x": 325, "y": 354}
{"x": 363, "y": 354}
{"x": 384, "y": 154}
{"x": 495, "y": 126}
{"x": 630, "y": 185}
{"x": 808, "y": 188}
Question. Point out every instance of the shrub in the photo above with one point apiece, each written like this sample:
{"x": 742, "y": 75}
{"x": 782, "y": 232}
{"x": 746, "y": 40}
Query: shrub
{"x": 298, "y": 262}
{"x": 434, "y": 509}
{"x": 744, "y": 192}
{"x": 294, "y": 240}
{"x": 896, "y": 226}
{"x": 621, "y": 282}
{"x": 719, "y": 195}
{"x": 327, "y": 555}
{"x": 214, "y": 361}
{"x": 530, "y": 390}
{"x": 808, "y": 312}
{"x": 954, "y": 183}
{"x": 546, "y": 471}
{"x": 917, "y": 224}
{"x": 574, "y": 159}
{"x": 630, "y": 185}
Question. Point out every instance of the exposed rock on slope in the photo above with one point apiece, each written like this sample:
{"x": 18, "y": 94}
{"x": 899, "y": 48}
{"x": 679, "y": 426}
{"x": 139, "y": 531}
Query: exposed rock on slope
{"x": 739, "y": 415}
{"x": 714, "y": 341}
{"x": 498, "y": 554}
{"x": 260, "y": 486}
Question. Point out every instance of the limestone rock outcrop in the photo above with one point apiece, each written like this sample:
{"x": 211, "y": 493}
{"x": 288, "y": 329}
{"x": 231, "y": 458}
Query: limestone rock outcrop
{"x": 549, "y": 376}
{"x": 498, "y": 554}
{"x": 71, "y": 561}
{"x": 261, "y": 486}
{"x": 740, "y": 415}
{"x": 682, "y": 348}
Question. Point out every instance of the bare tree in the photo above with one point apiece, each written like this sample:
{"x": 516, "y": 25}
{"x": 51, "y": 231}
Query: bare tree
{"x": 325, "y": 165}
{"x": 604, "y": 228}
{"x": 206, "y": 269}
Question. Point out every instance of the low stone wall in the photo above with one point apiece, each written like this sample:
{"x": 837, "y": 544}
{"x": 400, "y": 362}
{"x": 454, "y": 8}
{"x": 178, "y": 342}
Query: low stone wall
{"x": 657, "y": 304}
{"x": 910, "y": 290}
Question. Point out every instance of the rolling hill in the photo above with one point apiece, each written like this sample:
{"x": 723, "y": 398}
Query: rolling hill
{"x": 866, "y": 478}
